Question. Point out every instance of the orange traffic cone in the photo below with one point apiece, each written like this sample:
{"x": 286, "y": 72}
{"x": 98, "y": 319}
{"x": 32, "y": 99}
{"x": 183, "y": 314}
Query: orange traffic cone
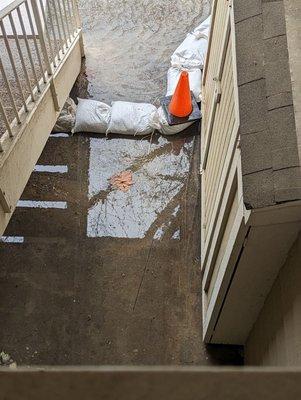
{"x": 181, "y": 104}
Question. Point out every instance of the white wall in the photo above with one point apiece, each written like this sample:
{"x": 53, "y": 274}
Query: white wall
{"x": 275, "y": 339}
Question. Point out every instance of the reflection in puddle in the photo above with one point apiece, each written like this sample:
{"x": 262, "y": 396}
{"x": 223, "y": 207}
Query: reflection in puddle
{"x": 177, "y": 235}
{"x": 160, "y": 232}
{"x": 163, "y": 228}
{"x": 158, "y": 175}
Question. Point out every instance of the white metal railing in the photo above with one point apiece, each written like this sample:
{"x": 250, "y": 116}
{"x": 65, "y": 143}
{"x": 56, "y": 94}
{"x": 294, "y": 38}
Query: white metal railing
{"x": 35, "y": 37}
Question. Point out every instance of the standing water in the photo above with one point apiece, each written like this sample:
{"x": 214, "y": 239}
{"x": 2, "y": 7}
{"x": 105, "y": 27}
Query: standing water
{"x": 129, "y": 44}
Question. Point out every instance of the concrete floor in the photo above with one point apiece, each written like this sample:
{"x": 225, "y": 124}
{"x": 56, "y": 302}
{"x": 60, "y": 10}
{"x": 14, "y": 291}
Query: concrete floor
{"x": 101, "y": 276}
{"x": 91, "y": 284}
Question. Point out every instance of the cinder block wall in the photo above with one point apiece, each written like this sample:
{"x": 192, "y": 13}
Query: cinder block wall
{"x": 269, "y": 142}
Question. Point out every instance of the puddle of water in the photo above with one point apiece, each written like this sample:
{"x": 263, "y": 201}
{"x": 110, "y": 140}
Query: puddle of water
{"x": 160, "y": 232}
{"x": 176, "y": 210}
{"x": 108, "y": 157}
{"x": 177, "y": 235}
{"x": 158, "y": 176}
{"x": 129, "y": 44}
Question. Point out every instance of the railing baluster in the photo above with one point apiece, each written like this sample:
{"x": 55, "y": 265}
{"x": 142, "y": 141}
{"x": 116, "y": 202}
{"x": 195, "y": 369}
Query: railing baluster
{"x": 13, "y": 65}
{"x": 63, "y": 23}
{"x": 47, "y": 33}
{"x": 76, "y": 13}
{"x": 35, "y": 40}
{"x": 53, "y": 32}
{"x": 72, "y": 17}
{"x": 58, "y": 27}
{"x": 39, "y": 25}
{"x": 78, "y": 26}
{"x": 9, "y": 91}
{"x": 6, "y": 121}
{"x": 28, "y": 49}
{"x": 21, "y": 56}
{"x": 67, "y": 20}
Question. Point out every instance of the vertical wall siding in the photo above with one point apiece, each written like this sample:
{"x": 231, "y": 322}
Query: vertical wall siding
{"x": 215, "y": 51}
{"x": 221, "y": 188}
{"x": 221, "y": 134}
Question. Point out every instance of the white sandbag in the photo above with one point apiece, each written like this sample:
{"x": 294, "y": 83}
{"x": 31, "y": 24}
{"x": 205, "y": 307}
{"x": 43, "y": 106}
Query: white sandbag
{"x": 186, "y": 62}
{"x": 202, "y": 31}
{"x": 195, "y": 81}
{"x": 92, "y": 116}
{"x": 191, "y": 51}
{"x": 66, "y": 120}
{"x": 133, "y": 118}
{"x": 166, "y": 129}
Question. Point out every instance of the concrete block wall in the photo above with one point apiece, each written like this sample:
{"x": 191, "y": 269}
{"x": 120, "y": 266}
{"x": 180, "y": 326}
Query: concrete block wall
{"x": 269, "y": 146}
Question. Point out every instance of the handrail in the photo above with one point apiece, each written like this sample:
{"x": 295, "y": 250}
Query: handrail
{"x": 9, "y": 8}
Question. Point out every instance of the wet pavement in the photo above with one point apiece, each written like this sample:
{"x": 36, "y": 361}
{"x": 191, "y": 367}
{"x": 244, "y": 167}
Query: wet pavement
{"x": 129, "y": 44}
{"x": 93, "y": 275}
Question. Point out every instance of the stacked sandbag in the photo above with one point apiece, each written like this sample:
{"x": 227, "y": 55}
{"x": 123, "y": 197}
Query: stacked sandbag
{"x": 133, "y": 118}
{"x": 92, "y": 116}
{"x": 142, "y": 119}
{"x": 66, "y": 120}
{"x": 192, "y": 51}
{"x": 167, "y": 129}
{"x": 190, "y": 56}
{"x": 203, "y": 30}
{"x": 122, "y": 118}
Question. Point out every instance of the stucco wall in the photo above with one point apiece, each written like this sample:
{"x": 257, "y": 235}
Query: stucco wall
{"x": 275, "y": 339}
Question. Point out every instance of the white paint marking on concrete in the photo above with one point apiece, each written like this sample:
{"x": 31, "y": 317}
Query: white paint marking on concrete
{"x": 42, "y": 204}
{"x": 54, "y": 169}
{"x": 12, "y": 239}
{"x": 59, "y": 135}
